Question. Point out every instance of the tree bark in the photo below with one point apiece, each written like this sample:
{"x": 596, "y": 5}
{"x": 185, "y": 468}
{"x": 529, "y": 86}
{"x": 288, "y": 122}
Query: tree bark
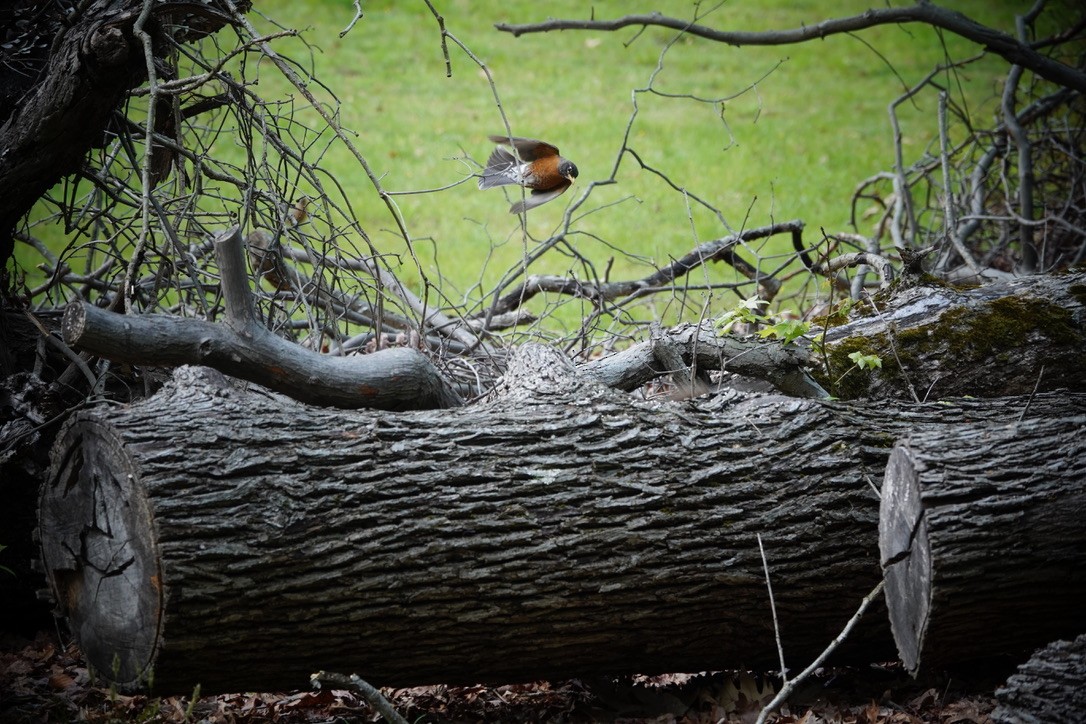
{"x": 559, "y": 529}
{"x": 982, "y": 539}
{"x": 1005, "y": 338}
{"x": 1047, "y": 688}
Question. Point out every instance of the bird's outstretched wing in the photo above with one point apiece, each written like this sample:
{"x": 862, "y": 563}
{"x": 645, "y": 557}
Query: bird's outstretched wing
{"x": 529, "y": 149}
{"x": 538, "y": 198}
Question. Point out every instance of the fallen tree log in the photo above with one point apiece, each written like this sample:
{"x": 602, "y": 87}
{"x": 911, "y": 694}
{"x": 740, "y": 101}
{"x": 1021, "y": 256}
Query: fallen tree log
{"x": 1005, "y": 338}
{"x": 1047, "y": 689}
{"x": 982, "y": 539}
{"x": 562, "y": 528}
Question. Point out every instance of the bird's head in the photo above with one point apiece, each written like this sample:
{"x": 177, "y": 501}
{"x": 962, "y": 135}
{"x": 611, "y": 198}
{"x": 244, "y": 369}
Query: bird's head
{"x": 568, "y": 170}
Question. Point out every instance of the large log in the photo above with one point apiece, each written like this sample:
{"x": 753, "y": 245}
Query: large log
{"x": 935, "y": 340}
{"x": 561, "y": 529}
{"x": 982, "y": 537}
{"x": 1047, "y": 689}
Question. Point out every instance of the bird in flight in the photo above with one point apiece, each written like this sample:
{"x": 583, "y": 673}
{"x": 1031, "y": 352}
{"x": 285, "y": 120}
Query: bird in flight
{"x": 537, "y": 165}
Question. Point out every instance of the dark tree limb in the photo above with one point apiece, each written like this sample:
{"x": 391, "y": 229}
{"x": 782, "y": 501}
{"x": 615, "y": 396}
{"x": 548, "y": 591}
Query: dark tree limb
{"x": 982, "y": 540}
{"x": 393, "y": 379}
{"x": 702, "y": 348}
{"x": 1047, "y": 688}
{"x": 1002, "y": 44}
{"x": 722, "y": 249}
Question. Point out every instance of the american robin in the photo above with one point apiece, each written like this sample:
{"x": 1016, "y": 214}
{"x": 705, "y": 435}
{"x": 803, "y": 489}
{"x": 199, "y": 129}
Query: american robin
{"x": 539, "y": 168}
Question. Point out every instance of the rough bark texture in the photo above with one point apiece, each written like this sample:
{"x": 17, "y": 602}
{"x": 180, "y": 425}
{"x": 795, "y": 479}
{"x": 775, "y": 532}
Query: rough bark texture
{"x": 1048, "y": 688}
{"x": 981, "y": 534}
{"x": 989, "y": 341}
{"x": 561, "y": 528}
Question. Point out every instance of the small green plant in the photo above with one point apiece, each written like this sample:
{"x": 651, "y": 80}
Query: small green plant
{"x": 865, "y": 361}
{"x": 786, "y": 330}
{"x": 745, "y": 311}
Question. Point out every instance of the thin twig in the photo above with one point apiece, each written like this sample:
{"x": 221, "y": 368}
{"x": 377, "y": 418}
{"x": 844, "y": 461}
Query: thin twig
{"x": 790, "y": 686}
{"x": 773, "y": 609}
{"x": 360, "y": 686}
{"x": 1033, "y": 394}
{"x": 355, "y": 19}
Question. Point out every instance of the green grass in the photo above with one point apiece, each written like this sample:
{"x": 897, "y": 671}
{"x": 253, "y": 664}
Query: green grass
{"x": 793, "y": 147}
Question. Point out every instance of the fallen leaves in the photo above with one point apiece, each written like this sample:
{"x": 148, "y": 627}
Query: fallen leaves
{"x": 44, "y": 682}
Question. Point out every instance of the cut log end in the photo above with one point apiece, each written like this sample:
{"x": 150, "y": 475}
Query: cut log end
{"x": 905, "y": 554}
{"x": 102, "y": 566}
{"x": 74, "y": 323}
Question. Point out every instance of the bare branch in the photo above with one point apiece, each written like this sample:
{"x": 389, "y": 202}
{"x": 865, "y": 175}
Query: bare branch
{"x": 392, "y": 379}
{"x": 1002, "y": 44}
{"x": 791, "y": 685}
{"x": 661, "y": 280}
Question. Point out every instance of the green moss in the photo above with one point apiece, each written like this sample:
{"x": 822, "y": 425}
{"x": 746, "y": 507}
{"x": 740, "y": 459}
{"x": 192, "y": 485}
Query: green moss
{"x": 1078, "y": 291}
{"x": 968, "y": 340}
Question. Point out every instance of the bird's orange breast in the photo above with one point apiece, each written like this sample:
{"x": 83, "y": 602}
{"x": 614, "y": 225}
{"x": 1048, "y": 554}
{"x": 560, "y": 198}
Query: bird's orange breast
{"x": 545, "y": 174}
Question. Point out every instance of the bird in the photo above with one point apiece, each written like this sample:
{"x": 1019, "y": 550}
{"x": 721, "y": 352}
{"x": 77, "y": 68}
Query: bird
{"x": 537, "y": 165}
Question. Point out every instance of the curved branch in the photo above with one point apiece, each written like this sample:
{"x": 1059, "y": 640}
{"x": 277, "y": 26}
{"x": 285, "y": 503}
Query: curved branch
{"x": 392, "y": 379}
{"x": 1002, "y": 44}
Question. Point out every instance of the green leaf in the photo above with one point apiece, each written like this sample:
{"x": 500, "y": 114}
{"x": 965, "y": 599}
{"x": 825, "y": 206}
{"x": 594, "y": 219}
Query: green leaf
{"x": 865, "y": 361}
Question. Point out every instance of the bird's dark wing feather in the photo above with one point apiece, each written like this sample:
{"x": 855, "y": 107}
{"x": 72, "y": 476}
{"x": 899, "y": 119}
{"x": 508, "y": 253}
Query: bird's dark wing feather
{"x": 538, "y": 198}
{"x": 529, "y": 149}
{"x": 497, "y": 170}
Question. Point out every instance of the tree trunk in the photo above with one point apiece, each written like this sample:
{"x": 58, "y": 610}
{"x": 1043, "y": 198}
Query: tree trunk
{"x": 982, "y": 538}
{"x": 1047, "y": 688}
{"x": 561, "y": 528}
{"x": 1005, "y": 338}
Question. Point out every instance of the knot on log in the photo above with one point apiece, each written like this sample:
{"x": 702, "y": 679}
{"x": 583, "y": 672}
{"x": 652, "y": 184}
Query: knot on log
{"x": 107, "y": 47}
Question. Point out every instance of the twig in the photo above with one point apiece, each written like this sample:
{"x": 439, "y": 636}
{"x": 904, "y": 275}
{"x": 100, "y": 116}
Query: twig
{"x": 790, "y": 686}
{"x": 444, "y": 37}
{"x": 773, "y": 609}
{"x": 949, "y": 224}
{"x": 358, "y": 685}
{"x": 355, "y": 19}
{"x": 148, "y": 150}
{"x": 1033, "y": 394}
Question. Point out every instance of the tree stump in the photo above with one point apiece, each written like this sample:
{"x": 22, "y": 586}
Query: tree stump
{"x": 982, "y": 538}
{"x": 243, "y": 541}
{"x": 1047, "y": 688}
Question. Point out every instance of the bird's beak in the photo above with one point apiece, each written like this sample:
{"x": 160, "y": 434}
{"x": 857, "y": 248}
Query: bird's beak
{"x": 568, "y": 176}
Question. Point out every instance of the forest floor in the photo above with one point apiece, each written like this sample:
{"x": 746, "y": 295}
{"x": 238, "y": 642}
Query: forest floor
{"x": 43, "y": 681}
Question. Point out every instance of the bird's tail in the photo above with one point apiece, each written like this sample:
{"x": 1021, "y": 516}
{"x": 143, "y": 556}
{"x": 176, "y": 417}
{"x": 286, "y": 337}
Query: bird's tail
{"x": 497, "y": 169}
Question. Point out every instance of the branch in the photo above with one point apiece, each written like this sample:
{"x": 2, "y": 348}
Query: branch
{"x": 393, "y": 379}
{"x": 790, "y": 686}
{"x": 1002, "y": 44}
{"x": 716, "y": 250}
{"x": 359, "y": 685}
{"x": 702, "y": 348}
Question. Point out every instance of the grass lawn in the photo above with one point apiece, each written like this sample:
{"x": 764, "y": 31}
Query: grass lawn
{"x": 801, "y": 126}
